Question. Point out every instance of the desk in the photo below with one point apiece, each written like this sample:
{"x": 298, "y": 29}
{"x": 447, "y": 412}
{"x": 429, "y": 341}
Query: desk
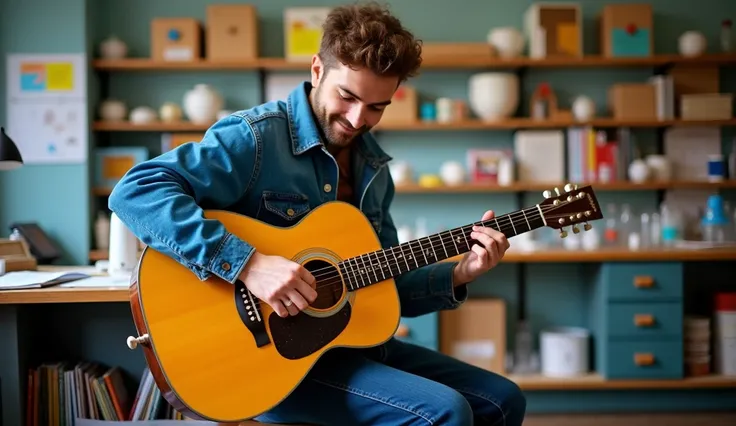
{"x": 94, "y": 324}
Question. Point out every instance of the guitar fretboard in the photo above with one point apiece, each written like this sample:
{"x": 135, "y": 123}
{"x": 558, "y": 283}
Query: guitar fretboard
{"x": 370, "y": 268}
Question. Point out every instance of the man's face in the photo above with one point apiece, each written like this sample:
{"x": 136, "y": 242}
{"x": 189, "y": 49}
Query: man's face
{"x": 348, "y": 102}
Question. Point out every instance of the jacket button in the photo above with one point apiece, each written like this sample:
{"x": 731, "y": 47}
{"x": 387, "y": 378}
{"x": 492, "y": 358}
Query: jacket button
{"x": 290, "y": 212}
{"x": 328, "y": 187}
{"x": 226, "y": 266}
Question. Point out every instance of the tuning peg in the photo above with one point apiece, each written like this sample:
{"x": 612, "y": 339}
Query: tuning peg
{"x": 587, "y": 226}
{"x": 547, "y": 193}
{"x": 575, "y": 229}
{"x": 557, "y": 190}
{"x": 563, "y": 233}
{"x": 569, "y": 187}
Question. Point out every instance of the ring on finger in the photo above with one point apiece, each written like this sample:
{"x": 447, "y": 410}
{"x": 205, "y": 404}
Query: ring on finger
{"x": 288, "y": 303}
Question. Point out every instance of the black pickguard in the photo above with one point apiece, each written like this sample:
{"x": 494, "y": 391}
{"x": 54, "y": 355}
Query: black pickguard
{"x": 301, "y": 335}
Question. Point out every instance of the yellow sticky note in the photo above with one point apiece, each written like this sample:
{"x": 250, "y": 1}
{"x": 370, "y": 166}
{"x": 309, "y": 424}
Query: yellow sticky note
{"x": 567, "y": 38}
{"x": 59, "y": 76}
{"x": 304, "y": 41}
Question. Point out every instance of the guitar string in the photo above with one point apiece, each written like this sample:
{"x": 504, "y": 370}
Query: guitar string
{"x": 334, "y": 273}
{"x": 449, "y": 238}
{"x": 358, "y": 285}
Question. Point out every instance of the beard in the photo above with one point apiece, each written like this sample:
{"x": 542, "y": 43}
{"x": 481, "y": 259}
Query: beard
{"x": 331, "y": 124}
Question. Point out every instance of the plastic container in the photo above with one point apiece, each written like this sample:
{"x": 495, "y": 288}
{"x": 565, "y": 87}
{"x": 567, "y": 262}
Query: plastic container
{"x": 716, "y": 225}
{"x": 725, "y": 333}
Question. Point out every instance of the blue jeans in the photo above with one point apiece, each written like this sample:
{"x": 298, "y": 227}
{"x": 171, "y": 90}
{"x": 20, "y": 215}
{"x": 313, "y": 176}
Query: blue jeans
{"x": 400, "y": 384}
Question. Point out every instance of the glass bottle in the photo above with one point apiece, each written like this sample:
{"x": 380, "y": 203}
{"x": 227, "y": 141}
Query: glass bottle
{"x": 726, "y": 36}
{"x": 611, "y": 234}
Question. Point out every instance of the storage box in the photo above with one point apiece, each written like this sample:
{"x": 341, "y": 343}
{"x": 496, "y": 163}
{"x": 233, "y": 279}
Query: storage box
{"x": 112, "y": 163}
{"x": 476, "y": 333}
{"x": 404, "y": 106}
{"x": 627, "y": 30}
{"x": 303, "y": 31}
{"x": 633, "y": 101}
{"x": 695, "y": 80}
{"x": 554, "y": 30}
{"x": 706, "y": 106}
{"x": 176, "y": 39}
{"x": 232, "y": 32}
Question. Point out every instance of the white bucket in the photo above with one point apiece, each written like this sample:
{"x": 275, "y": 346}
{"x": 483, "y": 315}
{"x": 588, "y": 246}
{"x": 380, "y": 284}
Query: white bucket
{"x": 564, "y": 351}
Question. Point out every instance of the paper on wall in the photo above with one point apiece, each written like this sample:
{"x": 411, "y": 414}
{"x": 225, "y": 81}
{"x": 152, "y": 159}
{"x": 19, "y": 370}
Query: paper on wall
{"x": 47, "y": 107}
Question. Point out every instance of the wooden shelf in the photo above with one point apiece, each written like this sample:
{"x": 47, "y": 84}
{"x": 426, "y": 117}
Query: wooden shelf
{"x": 529, "y": 123}
{"x": 596, "y": 382}
{"x": 159, "y": 126}
{"x": 522, "y": 186}
{"x": 619, "y": 255}
{"x": 64, "y": 295}
{"x": 430, "y": 62}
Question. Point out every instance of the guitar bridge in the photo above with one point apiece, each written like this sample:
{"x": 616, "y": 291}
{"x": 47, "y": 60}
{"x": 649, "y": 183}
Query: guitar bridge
{"x": 250, "y": 313}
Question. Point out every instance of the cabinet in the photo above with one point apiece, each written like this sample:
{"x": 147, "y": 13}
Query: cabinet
{"x": 637, "y": 320}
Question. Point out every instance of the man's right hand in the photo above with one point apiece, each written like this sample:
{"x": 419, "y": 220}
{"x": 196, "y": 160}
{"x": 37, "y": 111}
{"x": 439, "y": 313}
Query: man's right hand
{"x": 285, "y": 285}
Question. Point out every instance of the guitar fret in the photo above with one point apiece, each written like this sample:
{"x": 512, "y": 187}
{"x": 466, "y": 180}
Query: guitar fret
{"x": 432, "y": 246}
{"x": 512, "y": 226}
{"x": 466, "y": 237}
{"x": 426, "y": 261}
{"x": 457, "y": 250}
{"x": 498, "y": 227}
{"x": 359, "y": 272}
{"x": 383, "y": 272}
{"x": 401, "y": 248}
{"x": 527, "y": 220}
{"x": 353, "y": 285}
{"x": 414, "y": 254}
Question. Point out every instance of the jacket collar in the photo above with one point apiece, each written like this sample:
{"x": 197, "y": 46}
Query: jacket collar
{"x": 305, "y": 133}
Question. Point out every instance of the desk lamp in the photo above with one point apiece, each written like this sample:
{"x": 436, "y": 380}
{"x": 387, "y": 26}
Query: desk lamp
{"x": 10, "y": 157}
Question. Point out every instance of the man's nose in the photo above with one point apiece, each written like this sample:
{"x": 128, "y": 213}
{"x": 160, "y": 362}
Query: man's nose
{"x": 356, "y": 117}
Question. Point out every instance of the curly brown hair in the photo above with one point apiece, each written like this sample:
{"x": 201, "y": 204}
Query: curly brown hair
{"x": 368, "y": 36}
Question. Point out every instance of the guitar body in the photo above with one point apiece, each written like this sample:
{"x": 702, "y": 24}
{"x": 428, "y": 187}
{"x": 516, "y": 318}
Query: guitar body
{"x": 204, "y": 357}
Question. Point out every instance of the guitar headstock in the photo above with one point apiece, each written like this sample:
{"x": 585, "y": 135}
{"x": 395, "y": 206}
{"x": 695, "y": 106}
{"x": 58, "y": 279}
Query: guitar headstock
{"x": 570, "y": 207}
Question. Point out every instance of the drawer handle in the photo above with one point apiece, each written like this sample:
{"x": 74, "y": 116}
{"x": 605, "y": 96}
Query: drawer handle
{"x": 643, "y": 359}
{"x": 643, "y": 281}
{"x": 643, "y": 320}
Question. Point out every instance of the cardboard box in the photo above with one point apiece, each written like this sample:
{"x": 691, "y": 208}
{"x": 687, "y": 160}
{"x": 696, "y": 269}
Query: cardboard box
{"x": 232, "y": 32}
{"x": 476, "y": 333}
{"x": 627, "y": 30}
{"x": 633, "y": 101}
{"x": 404, "y": 106}
{"x": 176, "y": 39}
{"x": 706, "y": 106}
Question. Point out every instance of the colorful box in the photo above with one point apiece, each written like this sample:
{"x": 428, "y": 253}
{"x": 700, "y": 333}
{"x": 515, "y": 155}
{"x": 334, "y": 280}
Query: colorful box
{"x": 232, "y": 32}
{"x": 627, "y": 30}
{"x": 554, "y": 30}
{"x": 176, "y": 39}
{"x": 112, "y": 163}
{"x": 404, "y": 106}
{"x": 303, "y": 31}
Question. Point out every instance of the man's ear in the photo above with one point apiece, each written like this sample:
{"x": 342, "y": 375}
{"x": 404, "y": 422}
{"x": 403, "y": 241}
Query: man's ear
{"x": 317, "y": 70}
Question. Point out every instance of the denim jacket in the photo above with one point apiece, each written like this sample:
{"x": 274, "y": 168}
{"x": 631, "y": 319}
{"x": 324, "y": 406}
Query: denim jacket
{"x": 269, "y": 163}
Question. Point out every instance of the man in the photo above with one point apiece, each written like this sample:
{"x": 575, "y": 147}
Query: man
{"x": 278, "y": 161}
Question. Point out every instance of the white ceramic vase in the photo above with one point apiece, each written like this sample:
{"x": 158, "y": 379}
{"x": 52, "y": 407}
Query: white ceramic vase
{"x": 113, "y": 110}
{"x": 202, "y": 103}
{"x": 692, "y": 43}
{"x": 583, "y": 108}
{"x": 508, "y": 41}
{"x": 113, "y": 48}
{"x": 493, "y": 95}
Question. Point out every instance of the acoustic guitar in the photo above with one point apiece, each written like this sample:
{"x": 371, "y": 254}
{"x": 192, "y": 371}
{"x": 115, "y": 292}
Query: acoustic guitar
{"x": 218, "y": 353}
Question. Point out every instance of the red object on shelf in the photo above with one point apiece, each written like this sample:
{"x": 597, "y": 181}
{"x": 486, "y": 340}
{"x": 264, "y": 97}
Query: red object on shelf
{"x": 725, "y": 302}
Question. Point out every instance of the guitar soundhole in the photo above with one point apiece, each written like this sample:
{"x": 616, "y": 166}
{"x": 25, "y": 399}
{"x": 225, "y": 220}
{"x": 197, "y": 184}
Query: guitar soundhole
{"x": 329, "y": 284}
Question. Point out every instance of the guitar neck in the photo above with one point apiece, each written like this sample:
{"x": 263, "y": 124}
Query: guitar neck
{"x": 370, "y": 268}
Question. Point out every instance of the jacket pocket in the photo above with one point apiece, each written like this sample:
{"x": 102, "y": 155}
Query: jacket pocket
{"x": 283, "y": 207}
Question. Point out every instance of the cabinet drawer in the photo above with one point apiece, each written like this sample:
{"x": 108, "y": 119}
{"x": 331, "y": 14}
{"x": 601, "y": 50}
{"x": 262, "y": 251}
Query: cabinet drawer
{"x": 655, "y": 359}
{"x": 642, "y": 281}
{"x": 644, "y": 319}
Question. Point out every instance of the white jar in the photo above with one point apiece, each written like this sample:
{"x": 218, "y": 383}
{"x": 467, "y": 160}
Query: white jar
{"x": 202, "y": 103}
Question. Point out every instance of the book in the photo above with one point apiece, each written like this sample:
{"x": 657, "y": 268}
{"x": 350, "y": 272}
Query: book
{"x": 23, "y": 280}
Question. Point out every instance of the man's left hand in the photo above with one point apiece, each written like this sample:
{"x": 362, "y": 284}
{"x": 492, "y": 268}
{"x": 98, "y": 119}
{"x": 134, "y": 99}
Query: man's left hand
{"x": 481, "y": 259}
